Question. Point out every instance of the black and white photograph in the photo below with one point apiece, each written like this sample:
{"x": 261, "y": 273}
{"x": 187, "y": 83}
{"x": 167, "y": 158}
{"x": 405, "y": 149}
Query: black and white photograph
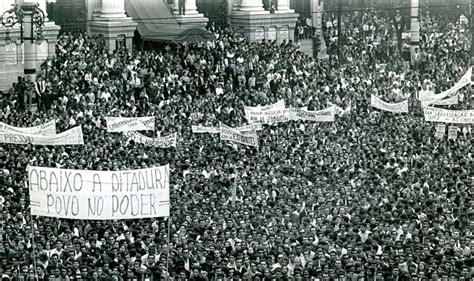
{"x": 236, "y": 140}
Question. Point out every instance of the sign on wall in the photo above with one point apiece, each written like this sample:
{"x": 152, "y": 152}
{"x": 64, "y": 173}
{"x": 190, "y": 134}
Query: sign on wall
{"x": 42, "y": 51}
{"x": 11, "y": 57}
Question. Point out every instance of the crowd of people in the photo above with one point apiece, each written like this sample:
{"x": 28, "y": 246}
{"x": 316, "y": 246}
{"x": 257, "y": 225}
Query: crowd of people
{"x": 371, "y": 196}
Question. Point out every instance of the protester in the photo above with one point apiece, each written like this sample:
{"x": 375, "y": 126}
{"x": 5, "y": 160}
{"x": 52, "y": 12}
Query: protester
{"x": 372, "y": 195}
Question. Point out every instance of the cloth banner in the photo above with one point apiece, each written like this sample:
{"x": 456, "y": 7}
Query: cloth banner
{"x": 162, "y": 142}
{"x": 323, "y": 115}
{"x": 440, "y": 130}
{"x": 257, "y": 114}
{"x": 339, "y": 110}
{"x": 99, "y": 195}
{"x": 230, "y": 134}
{"x": 214, "y": 130}
{"x": 433, "y": 114}
{"x": 275, "y": 116}
{"x": 400, "y": 107}
{"x": 448, "y": 101}
{"x": 128, "y": 124}
{"x": 46, "y": 129}
{"x": 251, "y": 127}
{"x": 204, "y": 129}
{"x": 429, "y": 99}
{"x": 452, "y": 132}
{"x": 72, "y": 136}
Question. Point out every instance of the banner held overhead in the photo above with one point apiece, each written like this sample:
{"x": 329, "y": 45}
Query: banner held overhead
{"x": 99, "y": 195}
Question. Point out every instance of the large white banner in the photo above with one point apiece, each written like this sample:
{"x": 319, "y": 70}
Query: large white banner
{"x": 72, "y": 136}
{"x": 204, "y": 129}
{"x": 260, "y": 114}
{"x": 400, "y": 107}
{"x": 99, "y": 195}
{"x": 230, "y": 134}
{"x": 427, "y": 99}
{"x": 323, "y": 115}
{"x": 433, "y": 114}
{"x": 163, "y": 142}
{"x": 46, "y": 129}
{"x": 128, "y": 124}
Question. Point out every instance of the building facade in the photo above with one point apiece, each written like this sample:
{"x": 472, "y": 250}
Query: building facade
{"x": 12, "y": 51}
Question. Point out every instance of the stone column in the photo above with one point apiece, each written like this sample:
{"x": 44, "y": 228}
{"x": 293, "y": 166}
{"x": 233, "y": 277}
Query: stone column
{"x": 112, "y": 9}
{"x": 252, "y": 7}
{"x": 191, "y": 8}
{"x": 113, "y": 22}
{"x": 93, "y": 9}
{"x": 284, "y": 7}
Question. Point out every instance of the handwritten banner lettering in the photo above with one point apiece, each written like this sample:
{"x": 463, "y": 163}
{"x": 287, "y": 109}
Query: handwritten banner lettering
{"x": 46, "y": 129}
{"x": 258, "y": 114}
{"x": 400, "y": 107}
{"x": 204, "y": 129}
{"x": 433, "y": 114}
{"x": 128, "y": 124}
{"x": 99, "y": 195}
{"x": 251, "y": 127}
{"x": 229, "y": 134}
{"x": 452, "y": 132}
{"x": 440, "y": 130}
{"x": 324, "y": 115}
{"x": 163, "y": 142}
{"x": 72, "y": 136}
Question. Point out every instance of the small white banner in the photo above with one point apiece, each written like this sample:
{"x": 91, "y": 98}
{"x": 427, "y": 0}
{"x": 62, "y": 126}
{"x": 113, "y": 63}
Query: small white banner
{"x": 433, "y": 114}
{"x": 440, "y": 130}
{"x": 204, "y": 129}
{"x": 251, "y": 127}
{"x": 323, "y": 115}
{"x": 452, "y": 132}
{"x": 162, "y": 142}
{"x": 72, "y": 136}
{"x": 229, "y": 134}
{"x": 99, "y": 195}
{"x": 128, "y": 124}
{"x": 46, "y": 129}
{"x": 400, "y": 107}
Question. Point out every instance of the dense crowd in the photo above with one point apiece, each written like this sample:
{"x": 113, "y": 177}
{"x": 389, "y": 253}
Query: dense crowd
{"x": 373, "y": 195}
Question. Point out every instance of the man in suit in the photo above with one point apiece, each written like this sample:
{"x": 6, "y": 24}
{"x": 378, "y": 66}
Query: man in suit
{"x": 182, "y": 7}
{"x": 20, "y": 92}
{"x": 40, "y": 88}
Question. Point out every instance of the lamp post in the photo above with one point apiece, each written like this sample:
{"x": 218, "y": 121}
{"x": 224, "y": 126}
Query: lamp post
{"x": 29, "y": 17}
